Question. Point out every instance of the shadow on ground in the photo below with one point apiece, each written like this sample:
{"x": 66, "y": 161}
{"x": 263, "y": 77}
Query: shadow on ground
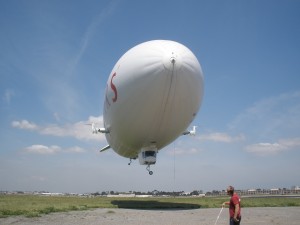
{"x": 128, "y": 204}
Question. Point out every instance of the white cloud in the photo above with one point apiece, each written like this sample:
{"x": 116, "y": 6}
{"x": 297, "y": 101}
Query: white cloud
{"x": 24, "y": 124}
{"x": 75, "y": 149}
{"x": 56, "y": 116}
{"x": 42, "y": 149}
{"x": 80, "y": 130}
{"x": 53, "y": 149}
{"x": 8, "y": 94}
{"x": 60, "y": 81}
{"x": 181, "y": 151}
{"x": 265, "y": 149}
{"x": 221, "y": 137}
{"x": 270, "y": 116}
{"x": 38, "y": 178}
{"x": 271, "y": 119}
{"x": 91, "y": 29}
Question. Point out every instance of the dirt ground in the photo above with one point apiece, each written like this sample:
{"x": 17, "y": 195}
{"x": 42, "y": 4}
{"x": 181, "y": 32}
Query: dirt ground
{"x": 253, "y": 216}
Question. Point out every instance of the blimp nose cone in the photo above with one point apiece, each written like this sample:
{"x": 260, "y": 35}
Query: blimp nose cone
{"x": 172, "y": 61}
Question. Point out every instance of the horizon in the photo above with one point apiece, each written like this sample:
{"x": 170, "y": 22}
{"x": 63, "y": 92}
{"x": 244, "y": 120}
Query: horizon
{"x": 293, "y": 188}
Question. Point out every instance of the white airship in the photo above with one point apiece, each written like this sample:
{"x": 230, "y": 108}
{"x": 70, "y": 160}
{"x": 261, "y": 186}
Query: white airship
{"x": 152, "y": 95}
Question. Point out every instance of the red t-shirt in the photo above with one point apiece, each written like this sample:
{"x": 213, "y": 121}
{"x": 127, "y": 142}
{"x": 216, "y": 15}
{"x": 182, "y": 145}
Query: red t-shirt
{"x": 235, "y": 199}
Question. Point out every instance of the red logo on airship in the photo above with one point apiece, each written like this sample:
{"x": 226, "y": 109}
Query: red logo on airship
{"x": 113, "y": 87}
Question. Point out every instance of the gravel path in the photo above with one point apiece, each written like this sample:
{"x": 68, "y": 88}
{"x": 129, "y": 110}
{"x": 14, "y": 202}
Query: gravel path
{"x": 253, "y": 216}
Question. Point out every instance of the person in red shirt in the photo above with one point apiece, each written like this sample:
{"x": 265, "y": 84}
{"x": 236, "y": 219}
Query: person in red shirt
{"x": 234, "y": 207}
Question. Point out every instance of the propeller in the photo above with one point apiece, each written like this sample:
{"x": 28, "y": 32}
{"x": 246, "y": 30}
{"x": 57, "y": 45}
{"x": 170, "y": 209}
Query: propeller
{"x": 190, "y": 132}
{"x": 96, "y": 130}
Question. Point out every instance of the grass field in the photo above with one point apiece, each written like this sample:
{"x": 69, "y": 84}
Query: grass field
{"x": 34, "y": 205}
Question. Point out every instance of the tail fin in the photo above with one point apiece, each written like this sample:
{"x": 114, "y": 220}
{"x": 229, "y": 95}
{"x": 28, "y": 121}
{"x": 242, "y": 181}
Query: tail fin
{"x": 193, "y": 132}
{"x": 94, "y": 130}
{"x": 190, "y": 132}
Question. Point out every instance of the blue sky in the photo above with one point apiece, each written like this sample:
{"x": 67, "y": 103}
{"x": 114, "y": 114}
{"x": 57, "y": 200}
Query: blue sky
{"x": 55, "y": 57}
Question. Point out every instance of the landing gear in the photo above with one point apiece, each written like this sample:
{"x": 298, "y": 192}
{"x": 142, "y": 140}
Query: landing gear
{"x": 148, "y": 168}
{"x": 130, "y": 162}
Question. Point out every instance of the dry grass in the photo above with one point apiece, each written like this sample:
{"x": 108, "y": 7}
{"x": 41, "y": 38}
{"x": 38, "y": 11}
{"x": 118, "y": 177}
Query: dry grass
{"x": 34, "y": 205}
